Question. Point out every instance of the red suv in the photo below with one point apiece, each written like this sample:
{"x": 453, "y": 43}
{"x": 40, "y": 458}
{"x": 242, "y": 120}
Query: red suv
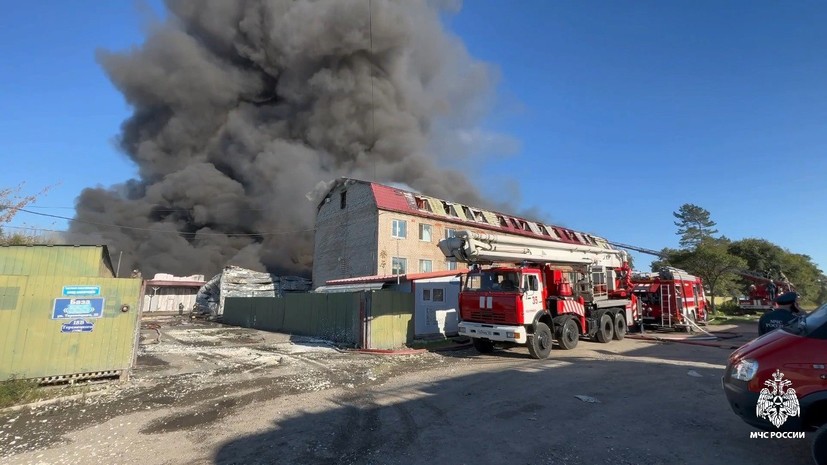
{"x": 778, "y": 382}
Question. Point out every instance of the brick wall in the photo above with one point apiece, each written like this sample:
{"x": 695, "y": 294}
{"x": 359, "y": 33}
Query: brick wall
{"x": 412, "y": 248}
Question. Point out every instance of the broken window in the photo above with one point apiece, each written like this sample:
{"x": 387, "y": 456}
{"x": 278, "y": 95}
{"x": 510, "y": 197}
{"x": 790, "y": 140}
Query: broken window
{"x": 423, "y": 204}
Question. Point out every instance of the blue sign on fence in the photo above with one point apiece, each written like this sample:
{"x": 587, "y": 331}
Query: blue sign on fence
{"x": 77, "y": 326}
{"x": 74, "y": 308}
{"x": 81, "y": 290}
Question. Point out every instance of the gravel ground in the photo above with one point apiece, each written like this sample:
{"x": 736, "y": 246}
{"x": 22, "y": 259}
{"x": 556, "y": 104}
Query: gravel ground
{"x": 207, "y": 394}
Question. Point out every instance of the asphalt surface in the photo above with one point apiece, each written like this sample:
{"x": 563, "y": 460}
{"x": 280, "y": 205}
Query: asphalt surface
{"x": 211, "y": 395}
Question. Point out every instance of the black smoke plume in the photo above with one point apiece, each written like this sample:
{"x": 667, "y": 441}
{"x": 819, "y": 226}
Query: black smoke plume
{"x": 241, "y": 108}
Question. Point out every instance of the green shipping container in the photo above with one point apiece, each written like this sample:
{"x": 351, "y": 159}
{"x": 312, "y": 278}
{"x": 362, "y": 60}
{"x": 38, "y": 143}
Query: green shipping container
{"x": 63, "y": 314}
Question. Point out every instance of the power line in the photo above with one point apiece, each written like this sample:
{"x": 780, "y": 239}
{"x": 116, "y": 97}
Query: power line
{"x": 135, "y": 228}
{"x": 155, "y": 208}
{"x": 31, "y": 228}
{"x": 372, "y": 100}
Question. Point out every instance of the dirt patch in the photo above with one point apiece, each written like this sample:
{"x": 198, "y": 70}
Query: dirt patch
{"x": 191, "y": 420}
{"x": 150, "y": 361}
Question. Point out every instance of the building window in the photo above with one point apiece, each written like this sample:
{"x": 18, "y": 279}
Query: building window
{"x": 449, "y": 233}
{"x": 479, "y": 216}
{"x": 425, "y": 232}
{"x": 399, "y": 265}
{"x": 400, "y": 229}
{"x": 438, "y": 295}
{"x": 425, "y": 266}
{"x": 426, "y": 294}
{"x": 450, "y": 265}
{"x": 502, "y": 221}
{"x": 343, "y": 200}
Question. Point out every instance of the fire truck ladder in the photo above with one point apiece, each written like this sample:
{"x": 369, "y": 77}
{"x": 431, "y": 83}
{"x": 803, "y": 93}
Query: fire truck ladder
{"x": 665, "y": 307}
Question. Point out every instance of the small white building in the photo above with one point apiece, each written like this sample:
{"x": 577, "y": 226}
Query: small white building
{"x": 436, "y": 297}
{"x": 168, "y": 293}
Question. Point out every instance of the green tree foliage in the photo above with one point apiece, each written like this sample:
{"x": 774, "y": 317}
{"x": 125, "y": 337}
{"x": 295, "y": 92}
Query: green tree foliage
{"x": 694, "y": 225}
{"x": 772, "y": 260}
{"x": 664, "y": 260}
{"x": 718, "y": 260}
{"x": 713, "y": 263}
{"x": 822, "y": 289}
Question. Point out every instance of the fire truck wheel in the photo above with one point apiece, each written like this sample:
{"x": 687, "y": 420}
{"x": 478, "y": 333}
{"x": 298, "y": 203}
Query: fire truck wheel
{"x": 605, "y": 329}
{"x": 539, "y": 343}
{"x": 620, "y": 327}
{"x": 483, "y": 346}
{"x": 567, "y": 334}
{"x": 820, "y": 446}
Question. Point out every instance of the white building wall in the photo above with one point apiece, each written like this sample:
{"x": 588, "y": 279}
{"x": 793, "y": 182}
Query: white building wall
{"x": 166, "y": 299}
{"x": 436, "y": 306}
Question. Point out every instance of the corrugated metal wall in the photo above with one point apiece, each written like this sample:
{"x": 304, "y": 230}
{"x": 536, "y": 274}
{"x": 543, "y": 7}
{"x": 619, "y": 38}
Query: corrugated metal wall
{"x": 334, "y": 316}
{"x": 33, "y": 345}
{"x": 58, "y": 260}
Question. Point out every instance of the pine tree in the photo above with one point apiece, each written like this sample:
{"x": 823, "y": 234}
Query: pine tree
{"x": 694, "y": 225}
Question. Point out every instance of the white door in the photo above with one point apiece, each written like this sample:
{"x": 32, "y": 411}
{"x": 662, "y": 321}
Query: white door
{"x": 532, "y": 295}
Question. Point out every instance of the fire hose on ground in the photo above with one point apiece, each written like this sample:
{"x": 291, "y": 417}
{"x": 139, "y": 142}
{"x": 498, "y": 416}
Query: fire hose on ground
{"x": 707, "y": 341}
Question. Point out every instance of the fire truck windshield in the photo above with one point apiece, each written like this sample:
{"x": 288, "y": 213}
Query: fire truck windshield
{"x": 493, "y": 280}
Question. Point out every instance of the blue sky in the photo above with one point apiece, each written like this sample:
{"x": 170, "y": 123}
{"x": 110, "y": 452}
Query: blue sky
{"x": 623, "y": 110}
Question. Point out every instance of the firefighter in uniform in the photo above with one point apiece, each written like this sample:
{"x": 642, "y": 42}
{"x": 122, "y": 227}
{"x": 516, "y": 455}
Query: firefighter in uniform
{"x": 786, "y": 311}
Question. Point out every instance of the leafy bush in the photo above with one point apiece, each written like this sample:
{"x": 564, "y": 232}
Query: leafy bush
{"x": 730, "y": 307}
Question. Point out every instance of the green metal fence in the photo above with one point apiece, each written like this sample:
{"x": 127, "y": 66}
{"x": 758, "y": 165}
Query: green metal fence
{"x": 375, "y": 319}
{"x": 334, "y": 317}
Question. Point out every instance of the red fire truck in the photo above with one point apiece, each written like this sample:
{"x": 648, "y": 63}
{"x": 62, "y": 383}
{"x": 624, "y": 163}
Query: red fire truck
{"x": 762, "y": 291}
{"x": 534, "y": 292}
{"x": 670, "y": 298}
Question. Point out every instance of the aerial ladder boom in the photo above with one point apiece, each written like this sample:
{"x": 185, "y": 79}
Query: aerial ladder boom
{"x": 471, "y": 247}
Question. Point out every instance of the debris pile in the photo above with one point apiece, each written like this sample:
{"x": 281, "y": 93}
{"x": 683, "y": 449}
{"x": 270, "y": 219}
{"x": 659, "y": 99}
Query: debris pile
{"x": 235, "y": 281}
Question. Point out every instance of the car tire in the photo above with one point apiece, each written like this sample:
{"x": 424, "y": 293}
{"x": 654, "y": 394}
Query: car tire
{"x": 820, "y": 446}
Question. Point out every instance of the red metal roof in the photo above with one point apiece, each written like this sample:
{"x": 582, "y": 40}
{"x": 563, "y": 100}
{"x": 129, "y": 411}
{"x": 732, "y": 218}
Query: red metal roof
{"x": 394, "y": 199}
{"x": 389, "y": 198}
{"x": 403, "y": 277}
